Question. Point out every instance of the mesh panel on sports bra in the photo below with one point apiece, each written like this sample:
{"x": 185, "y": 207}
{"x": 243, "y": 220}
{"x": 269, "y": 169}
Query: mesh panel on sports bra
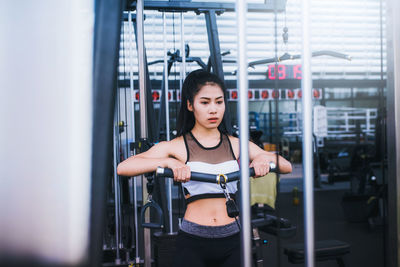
{"x": 212, "y": 160}
{"x": 220, "y": 153}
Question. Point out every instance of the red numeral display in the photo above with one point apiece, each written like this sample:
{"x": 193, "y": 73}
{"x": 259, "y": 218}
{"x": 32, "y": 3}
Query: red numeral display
{"x": 284, "y": 72}
{"x": 297, "y": 72}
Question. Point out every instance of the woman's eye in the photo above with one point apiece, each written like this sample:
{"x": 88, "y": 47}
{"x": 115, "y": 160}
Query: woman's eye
{"x": 204, "y": 103}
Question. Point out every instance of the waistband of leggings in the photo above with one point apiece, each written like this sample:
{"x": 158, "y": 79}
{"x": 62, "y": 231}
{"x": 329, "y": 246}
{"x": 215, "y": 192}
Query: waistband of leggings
{"x": 209, "y": 231}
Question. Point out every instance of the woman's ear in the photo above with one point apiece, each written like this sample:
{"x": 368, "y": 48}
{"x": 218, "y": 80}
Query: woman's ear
{"x": 189, "y": 106}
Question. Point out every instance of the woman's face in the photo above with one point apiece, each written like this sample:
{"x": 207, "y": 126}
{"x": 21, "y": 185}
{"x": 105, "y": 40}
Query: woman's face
{"x": 208, "y": 106}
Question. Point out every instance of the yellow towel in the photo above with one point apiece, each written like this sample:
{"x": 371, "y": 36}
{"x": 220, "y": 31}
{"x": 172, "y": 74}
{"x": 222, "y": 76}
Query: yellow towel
{"x": 263, "y": 190}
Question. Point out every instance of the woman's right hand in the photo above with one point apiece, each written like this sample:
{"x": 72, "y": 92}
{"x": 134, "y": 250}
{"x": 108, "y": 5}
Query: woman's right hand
{"x": 181, "y": 170}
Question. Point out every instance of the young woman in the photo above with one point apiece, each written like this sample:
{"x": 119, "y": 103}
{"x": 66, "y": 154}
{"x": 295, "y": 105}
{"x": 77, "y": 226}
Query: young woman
{"x": 208, "y": 236}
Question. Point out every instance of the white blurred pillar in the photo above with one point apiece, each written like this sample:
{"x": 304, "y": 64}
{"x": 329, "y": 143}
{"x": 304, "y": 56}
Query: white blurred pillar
{"x": 392, "y": 252}
{"x": 46, "y": 128}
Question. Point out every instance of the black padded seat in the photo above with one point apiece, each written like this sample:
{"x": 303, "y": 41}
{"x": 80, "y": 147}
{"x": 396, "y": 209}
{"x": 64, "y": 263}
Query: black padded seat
{"x": 324, "y": 250}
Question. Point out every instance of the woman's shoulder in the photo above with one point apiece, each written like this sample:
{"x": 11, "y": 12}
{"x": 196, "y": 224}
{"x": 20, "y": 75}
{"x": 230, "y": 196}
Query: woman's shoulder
{"x": 234, "y": 140}
{"x": 172, "y": 143}
{"x": 178, "y": 140}
{"x": 173, "y": 148}
{"x": 178, "y": 148}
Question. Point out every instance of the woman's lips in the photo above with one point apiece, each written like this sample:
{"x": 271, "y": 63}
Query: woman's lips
{"x": 213, "y": 119}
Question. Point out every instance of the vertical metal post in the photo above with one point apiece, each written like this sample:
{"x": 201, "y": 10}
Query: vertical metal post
{"x": 131, "y": 32}
{"x": 116, "y": 185}
{"x": 107, "y": 33}
{"x": 182, "y": 68}
{"x": 241, "y": 11}
{"x": 393, "y": 133}
{"x": 183, "y": 51}
{"x": 213, "y": 43}
{"x": 131, "y": 82}
{"x": 308, "y": 177}
{"x": 169, "y": 181}
{"x": 142, "y": 69}
{"x": 143, "y": 117}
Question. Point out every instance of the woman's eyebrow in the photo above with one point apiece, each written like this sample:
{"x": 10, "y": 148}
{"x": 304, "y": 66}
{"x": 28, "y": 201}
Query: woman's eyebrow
{"x": 208, "y": 98}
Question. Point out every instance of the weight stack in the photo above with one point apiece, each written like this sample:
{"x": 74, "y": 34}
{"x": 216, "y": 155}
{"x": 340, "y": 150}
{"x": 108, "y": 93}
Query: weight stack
{"x": 164, "y": 248}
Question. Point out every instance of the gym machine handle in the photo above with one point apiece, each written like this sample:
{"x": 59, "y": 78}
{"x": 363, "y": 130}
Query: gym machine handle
{"x": 211, "y": 178}
{"x": 153, "y": 225}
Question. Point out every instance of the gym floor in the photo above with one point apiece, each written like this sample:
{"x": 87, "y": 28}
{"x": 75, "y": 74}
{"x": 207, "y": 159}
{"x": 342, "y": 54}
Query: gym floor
{"x": 367, "y": 245}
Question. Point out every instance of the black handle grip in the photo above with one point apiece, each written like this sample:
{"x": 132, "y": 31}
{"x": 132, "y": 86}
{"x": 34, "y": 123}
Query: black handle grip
{"x": 195, "y": 176}
{"x": 153, "y": 225}
{"x": 210, "y": 178}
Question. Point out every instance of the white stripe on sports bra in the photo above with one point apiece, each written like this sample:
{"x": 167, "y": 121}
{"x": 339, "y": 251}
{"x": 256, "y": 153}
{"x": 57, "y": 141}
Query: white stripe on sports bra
{"x": 197, "y": 188}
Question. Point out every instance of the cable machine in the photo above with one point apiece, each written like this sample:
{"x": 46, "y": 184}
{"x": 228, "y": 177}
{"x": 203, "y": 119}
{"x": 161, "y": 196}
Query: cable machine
{"x": 148, "y": 131}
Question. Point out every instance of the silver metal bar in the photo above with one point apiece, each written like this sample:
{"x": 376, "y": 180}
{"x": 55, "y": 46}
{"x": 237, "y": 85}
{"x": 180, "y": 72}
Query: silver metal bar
{"x": 137, "y": 256}
{"x": 308, "y": 180}
{"x": 182, "y": 73}
{"x": 181, "y": 76}
{"x": 116, "y": 184}
{"x": 143, "y": 118}
{"x": 118, "y": 143}
{"x": 184, "y": 6}
{"x": 168, "y": 181}
{"x": 241, "y": 11}
{"x": 142, "y": 69}
{"x": 183, "y": 52}
{"x": 131, "y": 45}
{"x": 135, "y": 206}
{"x": 166, "y": 86}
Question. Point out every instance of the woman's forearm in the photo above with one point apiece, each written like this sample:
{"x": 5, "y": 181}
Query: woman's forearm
{"x": 284, "y": 165}
{"x": 137, "y": 165}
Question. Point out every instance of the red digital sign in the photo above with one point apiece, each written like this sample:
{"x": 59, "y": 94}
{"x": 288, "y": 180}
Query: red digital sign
{"x": 284, "y": 72}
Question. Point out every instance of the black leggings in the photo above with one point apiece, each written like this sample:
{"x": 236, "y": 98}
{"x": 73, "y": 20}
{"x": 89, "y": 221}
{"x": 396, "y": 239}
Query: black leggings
{"x": 195, "y": 251}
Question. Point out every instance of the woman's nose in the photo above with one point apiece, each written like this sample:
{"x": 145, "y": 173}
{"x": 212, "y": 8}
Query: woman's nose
{"x": 213, "y": 108}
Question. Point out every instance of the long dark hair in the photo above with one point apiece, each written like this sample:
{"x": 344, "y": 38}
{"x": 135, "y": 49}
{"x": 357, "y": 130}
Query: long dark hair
{"x": 191, "y": 86}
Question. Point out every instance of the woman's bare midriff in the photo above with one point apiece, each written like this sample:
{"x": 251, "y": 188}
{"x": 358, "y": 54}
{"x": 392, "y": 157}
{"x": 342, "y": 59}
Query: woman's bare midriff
{"x": 209, "y": 211}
